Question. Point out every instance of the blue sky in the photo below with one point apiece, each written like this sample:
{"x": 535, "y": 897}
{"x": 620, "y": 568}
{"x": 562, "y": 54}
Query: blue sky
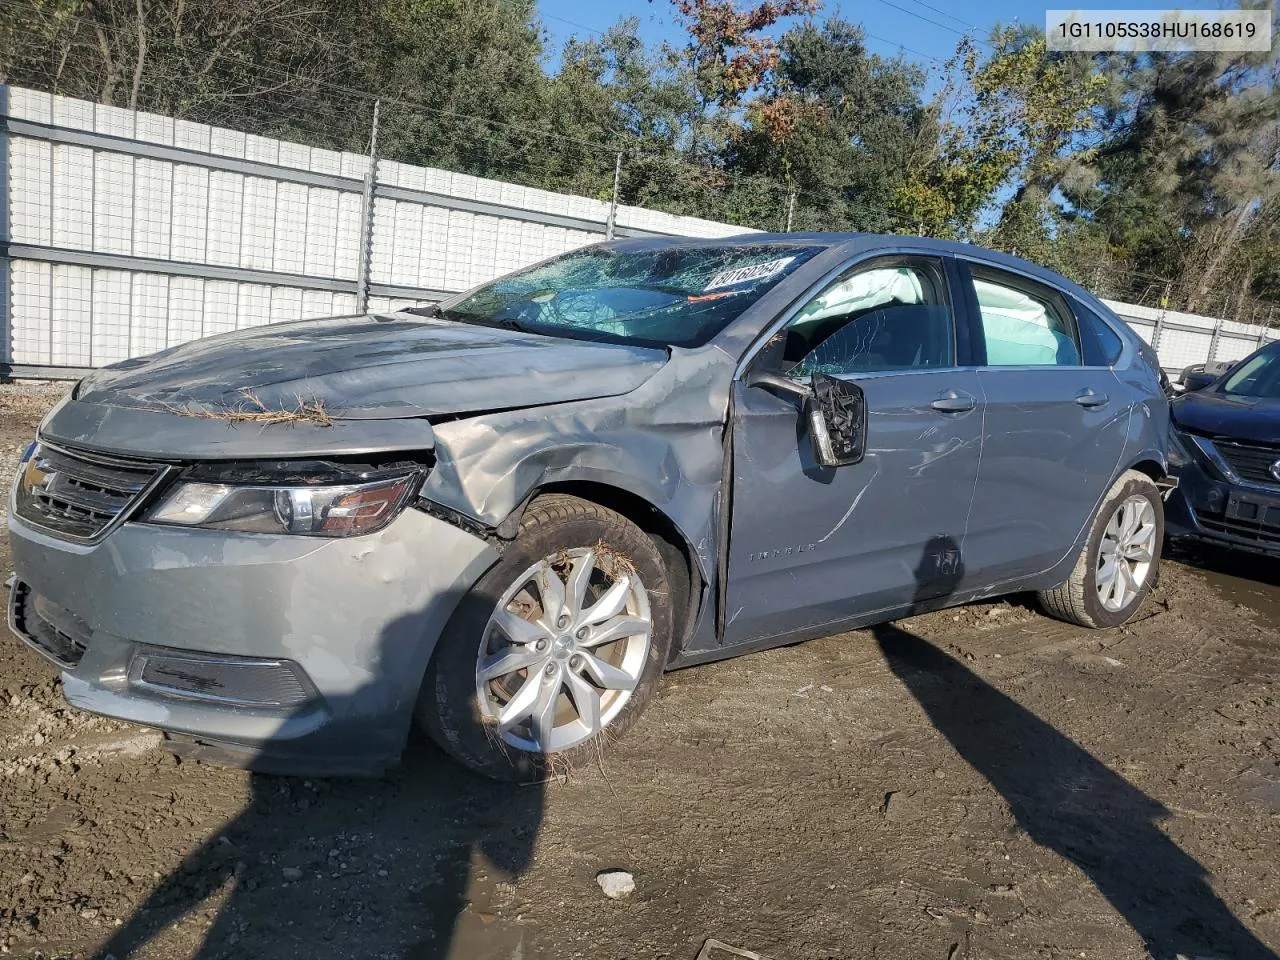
{"x": 891, "y": 24}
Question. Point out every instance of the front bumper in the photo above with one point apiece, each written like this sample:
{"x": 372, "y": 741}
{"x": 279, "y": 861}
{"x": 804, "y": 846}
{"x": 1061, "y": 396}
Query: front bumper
{"x": 1212, "y": 504}
{"x": 358, "y": 617}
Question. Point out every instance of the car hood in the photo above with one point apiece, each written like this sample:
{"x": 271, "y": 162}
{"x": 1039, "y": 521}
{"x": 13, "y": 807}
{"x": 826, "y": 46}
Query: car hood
{"x": 372, "y": 368}
{"x": 1222, "y": 415}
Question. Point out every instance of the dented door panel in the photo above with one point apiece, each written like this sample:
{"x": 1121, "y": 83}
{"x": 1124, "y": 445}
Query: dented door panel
{"x": 811, "y": 545}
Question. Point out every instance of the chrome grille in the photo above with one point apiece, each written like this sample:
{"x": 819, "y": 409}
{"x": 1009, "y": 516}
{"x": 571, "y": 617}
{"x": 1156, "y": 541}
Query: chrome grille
{"x": 77, "y": 495}
{"x": 1250, "y": 461}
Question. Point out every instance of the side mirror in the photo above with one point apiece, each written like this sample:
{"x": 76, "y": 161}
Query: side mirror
{"x": 1197, "y": 380}
{"x": 837, "y": 417}
{"x": 780, "y": 384}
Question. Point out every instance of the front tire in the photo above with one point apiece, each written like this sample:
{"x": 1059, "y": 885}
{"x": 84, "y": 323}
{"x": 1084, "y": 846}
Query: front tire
{"x": 556, "y": 650}
{"x": 1120, "y": 561}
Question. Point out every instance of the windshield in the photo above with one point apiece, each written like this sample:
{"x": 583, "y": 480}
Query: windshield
{"x": 1259, "y": 377}
{"x": 673, "y": 296}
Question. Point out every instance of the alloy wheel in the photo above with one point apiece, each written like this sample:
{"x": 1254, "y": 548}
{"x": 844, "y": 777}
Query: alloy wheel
{"x": 563, "y": 650}
{"x": 1126, "y": 553}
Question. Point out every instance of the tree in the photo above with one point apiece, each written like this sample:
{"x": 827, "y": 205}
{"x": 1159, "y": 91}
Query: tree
{"x": 837, "y": 126}
{"x": 729, "y": 55}
{"x": 463, "y": 84}
{"x": 1009, "y": 121}
{"x": 206, "y": 59}
{"x": 1188, "y": 161}
{"x": 615, "y": 91}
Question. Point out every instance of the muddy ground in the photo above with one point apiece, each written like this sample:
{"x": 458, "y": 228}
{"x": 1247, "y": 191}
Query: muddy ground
{"x": 977, "y": 783}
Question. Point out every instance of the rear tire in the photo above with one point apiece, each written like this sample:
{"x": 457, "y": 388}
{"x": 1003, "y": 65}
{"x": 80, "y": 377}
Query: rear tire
{"x": 522, "y": 684}
{"x": 1120, "y": 561}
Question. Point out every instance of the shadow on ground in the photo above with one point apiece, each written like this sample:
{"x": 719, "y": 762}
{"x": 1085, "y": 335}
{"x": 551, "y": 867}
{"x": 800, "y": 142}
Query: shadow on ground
{"x": 1070, "y": 803}
{"x": 1065, "y": 799}
{"x": 408, "y": 868}
{"x": 411, "y": 867}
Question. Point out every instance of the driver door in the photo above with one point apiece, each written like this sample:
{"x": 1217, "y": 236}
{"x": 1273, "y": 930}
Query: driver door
{"x": 812, "y": 546}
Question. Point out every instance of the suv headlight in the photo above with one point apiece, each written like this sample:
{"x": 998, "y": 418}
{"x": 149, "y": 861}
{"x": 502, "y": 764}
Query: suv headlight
{"x": 320, "y": 506}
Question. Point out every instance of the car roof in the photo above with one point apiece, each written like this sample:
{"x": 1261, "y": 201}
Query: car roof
{"x": 856, "y": 243}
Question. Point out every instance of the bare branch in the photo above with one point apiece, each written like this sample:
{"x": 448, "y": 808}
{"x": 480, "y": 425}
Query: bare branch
{"x": 141, "y": 56}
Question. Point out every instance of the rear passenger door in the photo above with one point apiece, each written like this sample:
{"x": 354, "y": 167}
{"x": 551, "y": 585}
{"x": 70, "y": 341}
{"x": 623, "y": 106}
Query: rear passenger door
{"x": 1054, "y": 432}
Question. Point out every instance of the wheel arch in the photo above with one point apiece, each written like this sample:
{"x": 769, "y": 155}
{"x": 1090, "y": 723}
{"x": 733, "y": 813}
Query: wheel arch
{"x": 688, "y": 584}
{"x": 1150, "y": 464}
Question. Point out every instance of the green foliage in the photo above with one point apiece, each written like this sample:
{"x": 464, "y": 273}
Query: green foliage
{"x": 837, "y": 126}
{"x": 1007, "y": 121}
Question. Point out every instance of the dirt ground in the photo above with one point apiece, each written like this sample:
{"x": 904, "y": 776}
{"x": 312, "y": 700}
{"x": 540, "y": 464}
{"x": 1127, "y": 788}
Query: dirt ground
{"x": 976, "y": 783}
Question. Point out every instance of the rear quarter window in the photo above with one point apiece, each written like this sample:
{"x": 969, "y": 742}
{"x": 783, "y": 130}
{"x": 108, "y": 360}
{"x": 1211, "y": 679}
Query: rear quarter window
{"x": 1100, "y": 346}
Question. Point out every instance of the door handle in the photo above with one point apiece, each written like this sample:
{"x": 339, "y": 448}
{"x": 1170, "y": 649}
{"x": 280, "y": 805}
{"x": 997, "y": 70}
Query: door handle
{"x": 953, "y": 402}
{"x": 1088, "y": 398}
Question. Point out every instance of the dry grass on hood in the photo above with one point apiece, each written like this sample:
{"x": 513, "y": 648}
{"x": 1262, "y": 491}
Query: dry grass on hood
{"x": 252, "y": 410}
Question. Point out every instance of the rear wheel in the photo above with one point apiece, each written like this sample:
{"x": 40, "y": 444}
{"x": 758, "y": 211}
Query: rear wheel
{"x": 557, "y": 649}
{"x": 1120, "y": 560}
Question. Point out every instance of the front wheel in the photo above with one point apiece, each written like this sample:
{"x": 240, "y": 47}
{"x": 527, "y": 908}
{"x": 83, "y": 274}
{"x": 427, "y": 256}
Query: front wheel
{"x": 556, "y": 649}
{"x": 1120, "y": 561}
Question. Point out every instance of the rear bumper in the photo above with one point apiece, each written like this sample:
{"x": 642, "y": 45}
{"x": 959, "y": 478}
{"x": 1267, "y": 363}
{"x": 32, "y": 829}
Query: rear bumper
{"x": 356, "y": 619}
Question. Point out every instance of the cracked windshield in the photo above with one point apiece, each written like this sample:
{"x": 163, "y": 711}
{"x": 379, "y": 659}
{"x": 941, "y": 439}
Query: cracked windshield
{"x": 679, "y": 296}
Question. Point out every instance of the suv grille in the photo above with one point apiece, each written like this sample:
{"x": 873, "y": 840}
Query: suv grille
{"x": 80, "y": 496}
{"x": 1250, "y": 461}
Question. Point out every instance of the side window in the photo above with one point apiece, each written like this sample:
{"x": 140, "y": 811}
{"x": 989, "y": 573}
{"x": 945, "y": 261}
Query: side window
{"x": 889, "y": 315}
{"x": 1100, "y": 346}
{"x": 1024, "y": 324}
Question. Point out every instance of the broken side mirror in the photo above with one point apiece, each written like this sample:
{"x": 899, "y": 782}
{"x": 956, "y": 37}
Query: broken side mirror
{"x": 777, "y": 383}
{"x": 837, "y": 416}
{"x": 1197, "y": 380}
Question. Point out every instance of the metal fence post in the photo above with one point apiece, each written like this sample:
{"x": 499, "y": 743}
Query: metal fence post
{"x": 791, "y": 208}
{"x": 1213, "y": 340}
{"x": 611, "y": 221}
{"x": 6, "y": 324}
{"x": 366, "y": 216}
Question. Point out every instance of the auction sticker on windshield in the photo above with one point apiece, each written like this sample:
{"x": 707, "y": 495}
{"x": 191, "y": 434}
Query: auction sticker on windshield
{"x": 757, "y": 271}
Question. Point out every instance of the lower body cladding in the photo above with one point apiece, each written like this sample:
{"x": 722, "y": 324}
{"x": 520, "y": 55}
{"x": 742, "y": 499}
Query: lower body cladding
{"x": 280, "y": 653}
{"x": 1206, "y": 508}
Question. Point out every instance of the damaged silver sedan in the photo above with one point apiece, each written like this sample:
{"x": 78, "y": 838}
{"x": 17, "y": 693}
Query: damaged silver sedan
{"x": 506, "y": 515}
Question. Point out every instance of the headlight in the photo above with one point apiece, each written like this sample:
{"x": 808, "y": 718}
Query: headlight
{"x": 22, "y": 465}
{"x": 318, "y": 510}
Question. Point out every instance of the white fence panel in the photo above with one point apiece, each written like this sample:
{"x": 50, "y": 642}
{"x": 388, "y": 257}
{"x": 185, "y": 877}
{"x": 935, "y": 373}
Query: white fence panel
{"x": 1182, "y": 339}
{"x": 130, "y": 232}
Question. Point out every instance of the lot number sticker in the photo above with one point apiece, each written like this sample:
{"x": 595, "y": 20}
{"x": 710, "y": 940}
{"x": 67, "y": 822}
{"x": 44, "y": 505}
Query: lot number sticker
{"x": 758, "y": 271}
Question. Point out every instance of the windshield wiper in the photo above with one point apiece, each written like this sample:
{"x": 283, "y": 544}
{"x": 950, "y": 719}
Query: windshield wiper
{"x": 434, "y": 310}
{"x": 430, "y": 310}
{"x": 516, "y": 325}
